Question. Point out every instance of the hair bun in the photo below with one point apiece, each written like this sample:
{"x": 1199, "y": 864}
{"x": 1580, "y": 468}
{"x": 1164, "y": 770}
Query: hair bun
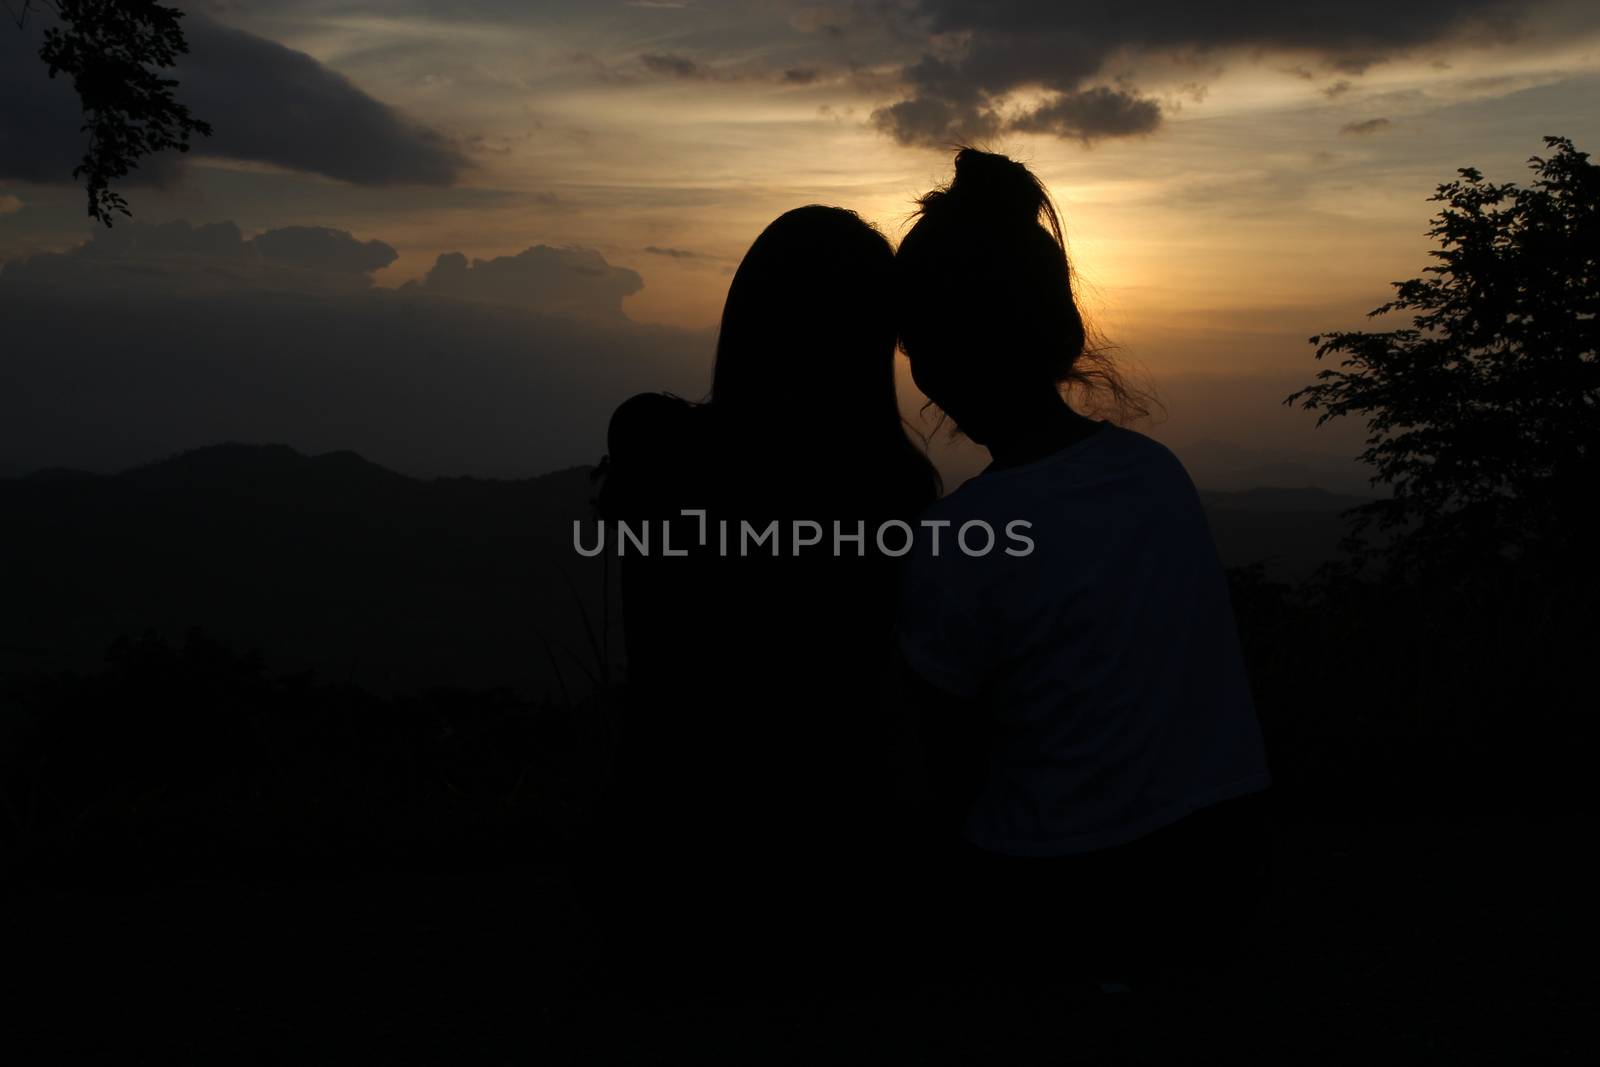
{"x": 998, "y": 186}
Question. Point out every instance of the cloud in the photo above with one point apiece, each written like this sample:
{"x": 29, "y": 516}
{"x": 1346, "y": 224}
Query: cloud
{"x": 682, "y": 68}
{"x": 672, "y": 66}
{"x": 982, "y": 54}
{"x": 9, "y": 205}
{"x": 323, "y": 249}
{"x": 565, "y": 281}
{"x": 1091, "y": 115}
{"x": 102, "y": 376}
{"x": 266, "y": 103}
{"x": 930, "y": 121}
{"x": 1365, "y": 127}
{"x": 176, "y": 257}
{"x": 671, "y": 253}
{"x": 276, "y": 105}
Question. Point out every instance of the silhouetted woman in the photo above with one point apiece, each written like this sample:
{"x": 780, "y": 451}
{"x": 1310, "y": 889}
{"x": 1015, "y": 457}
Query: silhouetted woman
{"x": 751, "y": 779}
{"x": 1084, "y": 692}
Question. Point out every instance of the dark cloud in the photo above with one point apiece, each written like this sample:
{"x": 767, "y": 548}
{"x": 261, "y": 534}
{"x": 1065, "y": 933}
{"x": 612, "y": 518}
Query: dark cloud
{"x": 320, "y": 248}
{"x": 931, "y": 121}
{"x": 266, "y": 103}
{"x": 143, "y": 241}
{"x": 670, "y": 253}
{"x": 988, "y": 50}
{"x": 1338, "y": 88}
{"x": 478, "y": 144}
{"x": 176, "y": 257}
{"x": 565, "y": 281}
{"x": 682, "y": 68}
{"x": 102, "y": 376}
{"x": 1366, "y": 126}
{"x": 273, "y": 104}
{"x": 672, "y": 66}
{"x": 1092, "y": 114}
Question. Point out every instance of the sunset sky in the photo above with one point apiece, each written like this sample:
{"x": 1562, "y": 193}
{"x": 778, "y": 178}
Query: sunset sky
{"x": 1232, "y": 180}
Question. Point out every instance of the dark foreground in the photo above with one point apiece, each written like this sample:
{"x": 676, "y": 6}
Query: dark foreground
{"x": 202, "y": 861}
{"x": 1416, "y": 941}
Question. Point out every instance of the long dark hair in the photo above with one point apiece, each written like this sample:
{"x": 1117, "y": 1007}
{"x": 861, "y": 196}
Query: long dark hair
{"x": 983, "y": 278}
{"x": 808, "y": 336}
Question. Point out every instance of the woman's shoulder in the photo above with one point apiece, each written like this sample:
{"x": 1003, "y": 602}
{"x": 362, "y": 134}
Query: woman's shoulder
{"x": 1162, "y": 470}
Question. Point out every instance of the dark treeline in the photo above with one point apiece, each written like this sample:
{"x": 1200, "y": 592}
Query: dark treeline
{"x": 189, "y": 757}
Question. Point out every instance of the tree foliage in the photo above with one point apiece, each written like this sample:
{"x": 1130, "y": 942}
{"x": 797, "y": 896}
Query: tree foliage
{"x": 113, "y": 50}
{"x": 1482, "y": 412}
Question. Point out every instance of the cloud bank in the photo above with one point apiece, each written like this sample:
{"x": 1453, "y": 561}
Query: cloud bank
{"x": 1084, "y": 58}
{"x": 560, "y": 281}
{"x": 176, "y": 257}
{"x": 148, "y": 340}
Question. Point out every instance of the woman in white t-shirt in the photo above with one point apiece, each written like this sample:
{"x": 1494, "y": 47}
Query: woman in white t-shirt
{"x": 1081, "y": 683}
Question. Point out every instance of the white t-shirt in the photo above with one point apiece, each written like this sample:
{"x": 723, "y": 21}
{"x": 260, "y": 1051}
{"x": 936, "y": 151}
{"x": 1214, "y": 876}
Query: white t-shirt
{"x": 1106, "y": 659}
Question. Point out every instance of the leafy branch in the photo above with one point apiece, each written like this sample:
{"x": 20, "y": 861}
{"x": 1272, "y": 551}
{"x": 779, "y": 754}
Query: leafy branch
{"x": 1482, "y": 411}
{"x": 113, "y": 50}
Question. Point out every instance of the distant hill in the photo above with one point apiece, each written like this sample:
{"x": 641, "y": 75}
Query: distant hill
{"x": 322, "y": 562}
{"x": 336, "y": 564}
{"x": 1223, "y": 465}
{"x": 1305, "y": 500}
{"x": 1290, "y": 531}
{"x": 265, "y": 467}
